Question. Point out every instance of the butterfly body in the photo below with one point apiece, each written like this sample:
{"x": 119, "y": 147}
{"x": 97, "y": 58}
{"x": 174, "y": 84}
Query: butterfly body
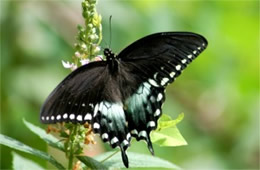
{"x": 122, "y": 96}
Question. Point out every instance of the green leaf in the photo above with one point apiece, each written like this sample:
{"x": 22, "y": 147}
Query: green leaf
{"x": 168, "y": 137}
{"x": 48, "y": 138}
{"x": 91, "y": 163}
{"x": 166, "y": 121}
{"x": 21, "y": 163}
{"x": 12, "y": 143}
{"x": 136, "y": 160}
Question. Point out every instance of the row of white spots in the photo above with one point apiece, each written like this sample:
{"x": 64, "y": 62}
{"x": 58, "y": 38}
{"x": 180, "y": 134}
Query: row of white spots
{"x": 105, "y": 136}
{"x": 65, "y": 116}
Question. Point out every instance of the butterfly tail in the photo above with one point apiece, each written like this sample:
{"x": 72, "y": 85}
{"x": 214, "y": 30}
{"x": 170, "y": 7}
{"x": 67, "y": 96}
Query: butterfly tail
{"x": 124, "y": 156}
{"x": 149, "y": 144}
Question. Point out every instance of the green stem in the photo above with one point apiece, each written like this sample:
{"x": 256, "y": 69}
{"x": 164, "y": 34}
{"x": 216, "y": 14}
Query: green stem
{"x": 71, "y": 138}
{"x": 109, "y": 156}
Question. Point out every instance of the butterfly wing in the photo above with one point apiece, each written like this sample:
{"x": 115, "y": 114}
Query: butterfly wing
{"x": 75, "y": 96}
{"x": 91, "y": 94}
{"x": 155, "y": 60}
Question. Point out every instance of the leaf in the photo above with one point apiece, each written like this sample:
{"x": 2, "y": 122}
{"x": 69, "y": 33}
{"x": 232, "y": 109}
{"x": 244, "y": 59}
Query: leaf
{"x": 48, "y": 138}
{"x": 12, "y": 143}
{"x": 91, "y": 163}
{"x": 21, "y": 163}
{"x": 166, "y": 121}
{"x": 168, "y": 137}
{"x": 136, "y": 160}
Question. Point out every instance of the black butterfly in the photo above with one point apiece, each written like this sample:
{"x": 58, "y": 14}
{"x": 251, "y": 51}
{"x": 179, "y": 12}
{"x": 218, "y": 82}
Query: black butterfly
{"x": 122, "y": 96}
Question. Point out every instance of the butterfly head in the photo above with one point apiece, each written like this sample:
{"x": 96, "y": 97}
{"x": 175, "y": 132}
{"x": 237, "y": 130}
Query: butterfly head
{"x": 111, "y": 60}
{"x": 109, "y": 54}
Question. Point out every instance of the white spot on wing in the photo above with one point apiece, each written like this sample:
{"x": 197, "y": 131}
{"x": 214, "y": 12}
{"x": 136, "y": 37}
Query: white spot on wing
{"x": 58, "y": 117}
{"x": 52, "y": 117}
{"x": 104, "y": 136}
{"x": 143, "y": 134}
{"x": 96, "y": 125}
{"x": 178, "y": 67}
{"x": 157, "y": 112}
{"x": 114, "y": 140}
{"x": 152, "y": 98}
{"x": 164, "y": 81}
{"x": 151, "y": 124}
{"x": 155, "y": 75}
{"x": 79, "y": 117}
{"x": 199, "y": 48}
{"x": 88, "y": 116}
{"x": 72, "y": 116}
{"x": 125, "y": 142}
{"x": 128, "y": 136}
{"x": 65, "y": 116}
{"x": 152, "y": 82}
{"x": 83, "y": 105}
{"x": 189, "y": 56}
{"x": 172, "y": 74}
{"x": 47, "y": 117}
{"x": 95, "y": 110}
{"x": 184, "y": 61}
{"x": 43, "y": 118}
{"x": 134, "y": 132}
{"x": 194, "y": 52}
{"x": 159, "y": 97}
{"x": 91, "y": 105}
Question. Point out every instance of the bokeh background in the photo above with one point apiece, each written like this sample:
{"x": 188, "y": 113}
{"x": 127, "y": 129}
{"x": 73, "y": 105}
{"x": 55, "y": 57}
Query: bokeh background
{"x": 219, "y": 92}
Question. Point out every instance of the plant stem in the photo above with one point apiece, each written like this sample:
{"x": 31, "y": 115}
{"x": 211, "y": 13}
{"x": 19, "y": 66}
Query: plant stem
{"x": 71, "y": 138}
{"x": 109, "y": 156}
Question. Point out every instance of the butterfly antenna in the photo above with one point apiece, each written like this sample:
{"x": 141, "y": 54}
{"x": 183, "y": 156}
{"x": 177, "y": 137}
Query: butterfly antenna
{"x": 105, "y": 43}
{"x": 110, "y": 32}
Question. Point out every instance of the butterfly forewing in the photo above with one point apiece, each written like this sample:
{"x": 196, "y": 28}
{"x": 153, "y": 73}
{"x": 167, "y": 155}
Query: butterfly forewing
{"x": 75, "y": 97}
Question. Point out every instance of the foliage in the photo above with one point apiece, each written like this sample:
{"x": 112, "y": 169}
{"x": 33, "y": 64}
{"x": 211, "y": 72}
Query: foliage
{"x": 219, "y": 92}
{"x": 104, "y": 161}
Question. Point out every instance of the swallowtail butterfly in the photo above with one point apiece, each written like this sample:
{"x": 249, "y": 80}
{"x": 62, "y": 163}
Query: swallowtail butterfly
{"x": 122, "y": 96}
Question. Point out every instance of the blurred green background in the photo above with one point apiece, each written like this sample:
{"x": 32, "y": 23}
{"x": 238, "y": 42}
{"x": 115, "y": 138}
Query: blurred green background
{"x": 219, "y": 92}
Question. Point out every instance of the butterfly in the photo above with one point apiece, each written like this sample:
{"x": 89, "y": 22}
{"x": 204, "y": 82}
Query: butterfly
{"x": 122, "y": 96}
